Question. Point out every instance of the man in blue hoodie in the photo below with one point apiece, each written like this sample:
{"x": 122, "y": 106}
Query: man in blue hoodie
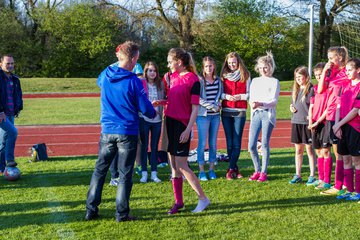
{"x": 122, "y": 97}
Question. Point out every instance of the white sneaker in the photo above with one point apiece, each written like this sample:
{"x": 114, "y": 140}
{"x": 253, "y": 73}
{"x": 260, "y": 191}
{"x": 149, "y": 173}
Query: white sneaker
{"x": 202, "y": 204}
{"x": 144, "y": 177}
{"x": 154, "y": 177}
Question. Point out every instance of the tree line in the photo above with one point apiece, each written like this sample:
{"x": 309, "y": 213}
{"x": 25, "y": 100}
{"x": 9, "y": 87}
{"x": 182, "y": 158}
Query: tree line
{"x": 75, "y": 38}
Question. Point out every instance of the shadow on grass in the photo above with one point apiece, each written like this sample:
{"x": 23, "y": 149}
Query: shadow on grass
{"x": 71, "y": 158}
{"x": 153, "y": 214}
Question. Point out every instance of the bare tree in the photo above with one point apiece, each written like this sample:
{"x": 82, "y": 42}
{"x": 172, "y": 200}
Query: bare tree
{"x": 328, "y": 10}
{"x": 177, "y": 15}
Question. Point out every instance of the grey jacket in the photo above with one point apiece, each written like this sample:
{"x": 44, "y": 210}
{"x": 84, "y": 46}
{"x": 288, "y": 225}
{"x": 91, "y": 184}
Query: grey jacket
{"x": 204, "y": 105}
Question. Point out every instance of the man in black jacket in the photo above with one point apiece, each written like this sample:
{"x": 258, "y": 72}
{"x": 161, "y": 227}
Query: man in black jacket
{"x": 10, "y": 106}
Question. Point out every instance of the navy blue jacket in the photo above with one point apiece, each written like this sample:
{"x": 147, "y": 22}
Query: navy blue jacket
{"x": 17, "y": 94}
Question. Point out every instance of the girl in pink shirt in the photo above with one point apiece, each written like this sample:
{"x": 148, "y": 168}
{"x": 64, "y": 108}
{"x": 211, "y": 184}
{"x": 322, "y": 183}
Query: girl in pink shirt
{"x": 332, "y": 78}
{"x": 317, "y": 114}
{"x": 181, "y": 113}
{"x": 348, "y": 130}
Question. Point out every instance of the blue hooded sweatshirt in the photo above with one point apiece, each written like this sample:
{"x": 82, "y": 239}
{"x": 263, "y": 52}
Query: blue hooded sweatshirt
{"x": 122, "y": 97}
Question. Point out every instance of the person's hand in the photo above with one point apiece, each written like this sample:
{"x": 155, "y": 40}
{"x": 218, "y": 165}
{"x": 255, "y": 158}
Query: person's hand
{"x": 292, "y": 109}
{"x": 216, "y": 108}
{"x": 336, "y": 128}
{"x": 313, "y": 126}
{"x": 256, "y": 105}
{"x": 237, "y": 97}
{"x": 327, "y": 68}
{"x": 2, "y": 117}
{"x": 230, "y": 97}
{"x": 155, "y": 103}
{"x": 338, "y": 133}
{"x": 184, "y": 137}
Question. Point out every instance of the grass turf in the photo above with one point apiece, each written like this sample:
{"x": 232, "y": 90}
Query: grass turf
{"x": 49, "y": 85}
{"x": 48, "y": 202}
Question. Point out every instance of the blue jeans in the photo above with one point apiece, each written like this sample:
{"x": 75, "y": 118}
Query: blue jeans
{"x": 145, "y": 129}
{"x": 114, "y": 167}
{"x": 233, "y": 127}
{"x": 207, "y": 126}
{"x": 260, "y": 121}
{"x": 109, "y": 146}
{"x": 8, "y": 136}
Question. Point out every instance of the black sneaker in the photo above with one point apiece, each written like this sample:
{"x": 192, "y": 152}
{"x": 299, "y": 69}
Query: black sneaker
{"x": 11, "y": 164}
{"x": 90, "y": 215}
{"x": 126, "y": 219}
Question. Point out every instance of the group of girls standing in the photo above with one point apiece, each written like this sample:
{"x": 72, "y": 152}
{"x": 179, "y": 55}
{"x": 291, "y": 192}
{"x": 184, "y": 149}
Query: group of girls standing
{"x": 326, "y": 115}
{"x": 203, "y": 99}
{"x": 234, "y": 93}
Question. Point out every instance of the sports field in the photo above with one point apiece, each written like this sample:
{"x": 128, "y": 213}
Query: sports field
{"x": 48, "y": 202}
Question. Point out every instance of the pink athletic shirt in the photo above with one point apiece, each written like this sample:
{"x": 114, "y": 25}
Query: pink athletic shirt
{"x": 350, "y": 98}
{"x": 184, "y": 92}
{"x": 319, "y": 101}
{"x": 335, "y": 82}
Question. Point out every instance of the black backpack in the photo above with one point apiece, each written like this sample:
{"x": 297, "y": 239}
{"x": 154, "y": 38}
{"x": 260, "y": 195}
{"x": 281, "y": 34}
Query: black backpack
{"x": 38, "y": 152}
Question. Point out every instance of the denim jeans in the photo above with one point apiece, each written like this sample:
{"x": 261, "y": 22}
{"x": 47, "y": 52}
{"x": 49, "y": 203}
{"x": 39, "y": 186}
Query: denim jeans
{"x": 114, "y": 167}
{"x": 109, "y": 145}
{"x": 8, "y": 136}
{"x": 260, "y": 121}
{"x": 233, "y": 127}
{"x": 145, "y": 129}
{"x": 208, "y": 127}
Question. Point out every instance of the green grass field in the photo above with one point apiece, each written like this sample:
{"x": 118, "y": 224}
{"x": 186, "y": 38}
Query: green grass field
{"x": 47, "y": 85}
{"x": 48, "y": 202}
{"x": 51, "y": 85}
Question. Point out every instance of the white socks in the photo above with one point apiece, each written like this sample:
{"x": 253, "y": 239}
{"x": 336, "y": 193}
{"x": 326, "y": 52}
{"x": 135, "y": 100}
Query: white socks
{"x": 202, "y": 204}
{"x": 144, "y": 177}
{"x": 154, "y": 177}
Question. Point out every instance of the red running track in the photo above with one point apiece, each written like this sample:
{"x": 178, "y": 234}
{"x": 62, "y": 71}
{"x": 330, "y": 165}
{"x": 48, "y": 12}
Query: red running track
{"x": 75, "y": 140}
{"x": 71, "y": 95}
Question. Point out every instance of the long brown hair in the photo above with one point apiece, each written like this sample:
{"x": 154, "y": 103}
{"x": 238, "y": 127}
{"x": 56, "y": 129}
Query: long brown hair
{"x": 157, "y": 79}
{"x": 302, "y": 70}
{"x": 208, "y": 59}
{"x": 185, "y": 57}
{"x": 244, "y": 73}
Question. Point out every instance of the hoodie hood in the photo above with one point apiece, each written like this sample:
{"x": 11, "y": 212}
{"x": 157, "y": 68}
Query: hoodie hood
{"x": 115, "y": 73}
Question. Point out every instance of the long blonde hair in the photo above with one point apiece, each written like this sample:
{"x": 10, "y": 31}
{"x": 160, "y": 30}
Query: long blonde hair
{"x": 244, "y": 73}
{"x": 302, "y": 70}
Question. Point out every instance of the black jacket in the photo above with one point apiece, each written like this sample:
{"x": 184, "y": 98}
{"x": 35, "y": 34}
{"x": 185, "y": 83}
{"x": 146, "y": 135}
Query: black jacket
{"x": 17, "y": 93}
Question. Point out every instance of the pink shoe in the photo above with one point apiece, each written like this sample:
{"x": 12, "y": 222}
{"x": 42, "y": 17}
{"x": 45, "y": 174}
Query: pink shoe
{"x": 263, "y": 177}
{"x": 176, "y": 208}
{"x": 255, "y": 176}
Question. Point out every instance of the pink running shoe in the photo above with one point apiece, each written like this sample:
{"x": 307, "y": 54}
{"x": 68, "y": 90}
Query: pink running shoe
{"x": 238, "y": 174}
{"x": 176, "y": 208}
{"x": 263, "y": 177}
{"x": 255, "y": 176}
